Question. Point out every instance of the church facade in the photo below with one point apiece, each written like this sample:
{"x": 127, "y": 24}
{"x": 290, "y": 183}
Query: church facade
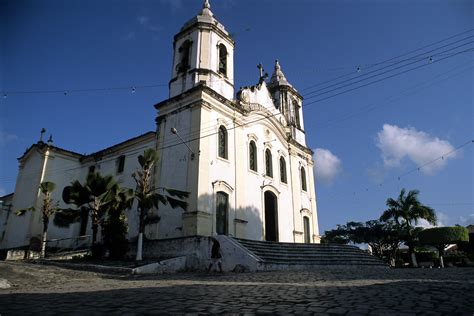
{"x": 243, "y": 159}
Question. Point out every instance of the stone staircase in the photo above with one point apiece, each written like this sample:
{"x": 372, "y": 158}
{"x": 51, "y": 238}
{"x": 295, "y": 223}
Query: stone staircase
{"x": 279, "y": 255}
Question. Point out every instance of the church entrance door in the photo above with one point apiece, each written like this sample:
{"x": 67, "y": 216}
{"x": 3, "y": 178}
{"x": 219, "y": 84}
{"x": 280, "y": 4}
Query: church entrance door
{"x": 222, "y": 210}
{"x": 271, "y": 216}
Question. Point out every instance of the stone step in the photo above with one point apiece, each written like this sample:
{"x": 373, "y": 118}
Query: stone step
{"x": 295, "y": 251}
{"x": 266, "y": 244}
{"x": 311, "y": 251}
{"x": 276, "y": 254}
{"x": 326, "y": 263}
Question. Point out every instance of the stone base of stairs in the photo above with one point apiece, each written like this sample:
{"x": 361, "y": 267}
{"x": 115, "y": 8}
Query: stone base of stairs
{"x": 298, "y": 256}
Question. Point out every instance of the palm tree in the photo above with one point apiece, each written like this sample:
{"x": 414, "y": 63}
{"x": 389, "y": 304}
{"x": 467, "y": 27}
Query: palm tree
{"x": 96, "y": 196}
{"x": 146, "y": 194}
{"x": 406, "y": 210}
{"x": 49, "y": 208}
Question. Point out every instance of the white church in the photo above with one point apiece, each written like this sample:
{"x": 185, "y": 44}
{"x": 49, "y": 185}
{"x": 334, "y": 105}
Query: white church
{"x": 242, "y": 155}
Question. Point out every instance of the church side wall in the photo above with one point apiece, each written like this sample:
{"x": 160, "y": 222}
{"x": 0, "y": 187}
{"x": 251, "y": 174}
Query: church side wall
{"x": 173, "y": 169}
{"x": 108, "y": 165}
{"x": 26, "y": 192}
{"x": 61, "y": 170}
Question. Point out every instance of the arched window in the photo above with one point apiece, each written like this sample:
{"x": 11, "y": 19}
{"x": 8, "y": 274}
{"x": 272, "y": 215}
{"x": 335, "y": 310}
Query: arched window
{"x": 252, "y": 156}
{"x": 184, "y": 53}
{"x": 222, "y": 207}
{"x": 223, "y": 59}
{"x": 222, "y": 142}
{"x": 303, "y": 179}
{"x": 283, "y": 170}
{"x": 268, "y": 164}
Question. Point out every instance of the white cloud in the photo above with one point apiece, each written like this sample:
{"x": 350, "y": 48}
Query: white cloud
{"x": 397, "y": 143}
{"x": 6, "y": 138}
{"x": 327, "y": 165}
{"x": 442, "y": 219}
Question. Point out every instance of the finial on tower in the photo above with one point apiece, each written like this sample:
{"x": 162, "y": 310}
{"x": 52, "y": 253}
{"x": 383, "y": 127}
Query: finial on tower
{"x": 206, "y": 8}
{"x": 50, "y": 140}
{"x": 277, "y": 64}
{"x": 43, "y": 131}
{"x": 278, "y": 77}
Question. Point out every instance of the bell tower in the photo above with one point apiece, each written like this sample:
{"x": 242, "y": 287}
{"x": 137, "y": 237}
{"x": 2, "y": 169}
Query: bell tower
{"x": 289, "y": 102}
{"x": 203, "y": 54}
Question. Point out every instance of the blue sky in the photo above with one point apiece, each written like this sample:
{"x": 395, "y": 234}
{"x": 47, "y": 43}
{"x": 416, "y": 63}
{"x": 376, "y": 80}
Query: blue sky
{"x": 364, "y": 139}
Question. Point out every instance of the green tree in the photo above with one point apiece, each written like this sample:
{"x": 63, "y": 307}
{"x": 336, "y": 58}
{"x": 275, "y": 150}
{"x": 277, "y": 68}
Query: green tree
{"x": 382, "y": 237}
{"x": 406, "y": 211}
{"x": 96, "y": 196}
{"x": 440, "y": 237}
{"x": 343, "y": 234}
{"x": 48, "y": 208}
{"x": 148, "y": 198}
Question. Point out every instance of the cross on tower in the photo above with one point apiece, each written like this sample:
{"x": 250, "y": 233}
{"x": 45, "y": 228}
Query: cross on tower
{"x": 260, "y": 68}
{"x": 262, "y": 75}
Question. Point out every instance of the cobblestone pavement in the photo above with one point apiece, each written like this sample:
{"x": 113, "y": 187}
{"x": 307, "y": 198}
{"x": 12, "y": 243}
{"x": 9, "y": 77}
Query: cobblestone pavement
{"x": 44, "y": 290}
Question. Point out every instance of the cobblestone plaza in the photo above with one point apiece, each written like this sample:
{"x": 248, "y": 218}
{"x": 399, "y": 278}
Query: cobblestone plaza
{"x": 43, "y": 290}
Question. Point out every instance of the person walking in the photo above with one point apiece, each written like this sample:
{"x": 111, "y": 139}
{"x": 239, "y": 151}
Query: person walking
{"x": 216, "y": 255}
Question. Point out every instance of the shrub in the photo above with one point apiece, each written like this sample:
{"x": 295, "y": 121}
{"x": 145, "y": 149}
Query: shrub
{"x": 443, "y": 235}
{"x": 115, "y": 235}
{"x": 427, "y": 256}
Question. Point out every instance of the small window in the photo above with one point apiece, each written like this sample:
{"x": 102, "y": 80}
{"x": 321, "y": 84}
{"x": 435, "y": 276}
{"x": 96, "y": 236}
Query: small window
{"x": 223, "y": 59}
{"x": 303, "y": 179}
{"x": 184, "y": 53}
{"x": 283, "y": 170}
{"x": 120, "y": 164}
{"x": 222, "y": 139}
{"x": 252, "y": 156}
{"x": 268, "y": 164}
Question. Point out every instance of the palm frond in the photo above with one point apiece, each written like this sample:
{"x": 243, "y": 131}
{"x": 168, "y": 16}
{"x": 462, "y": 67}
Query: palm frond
{"x": 24, "y": 210}
{"x": 47, "y": 187}
{"x": 177, "y": 193}
{"x": 65, "y": 217}
{"x": 175, "y": 203}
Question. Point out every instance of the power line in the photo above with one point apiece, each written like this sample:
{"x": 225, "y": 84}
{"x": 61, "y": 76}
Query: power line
{"x": 171, "y": 143}
{"x": 390, "y": 99}
{"x": 198, "y": 131}
{"x": 134, "y": 88}
{"x": 213, "y": 126}
{"x": 310, "y": 95}
{"x": 391, "y": 59}
{"x": 385, "y": 78}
